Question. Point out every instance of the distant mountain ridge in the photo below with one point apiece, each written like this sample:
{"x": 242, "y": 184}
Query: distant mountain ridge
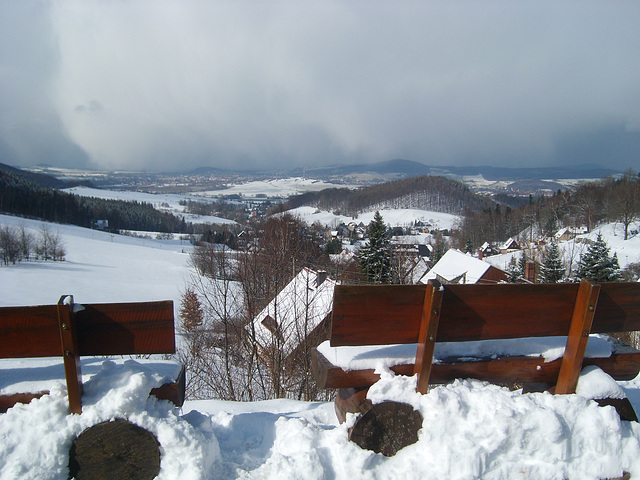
{"x": 409, "y": 168}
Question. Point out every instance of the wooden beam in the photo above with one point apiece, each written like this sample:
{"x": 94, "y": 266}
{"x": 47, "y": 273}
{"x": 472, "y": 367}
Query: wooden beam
{"x": 9, "y": 400}
{"x": 620, "y": 365}
{"x": 581, "y": 321}
{"x": 70, "y": 355}
{"x": 428, "y": 333}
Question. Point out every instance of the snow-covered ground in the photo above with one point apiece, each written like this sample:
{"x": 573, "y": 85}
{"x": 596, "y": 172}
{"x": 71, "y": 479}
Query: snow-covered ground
{"x": 472, "y": 430}
{"x": 99, "y": 267}
{"x": 404, "y": 217}
{"x": 627, "y": 251}
{"x": 278, "y": 188}
{"x": 167, "y": 202}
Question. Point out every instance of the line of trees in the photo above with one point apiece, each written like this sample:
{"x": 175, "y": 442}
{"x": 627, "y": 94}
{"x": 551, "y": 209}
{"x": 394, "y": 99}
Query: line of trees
{"x": 17, "y": 244}
{"x": 19, "y": 196}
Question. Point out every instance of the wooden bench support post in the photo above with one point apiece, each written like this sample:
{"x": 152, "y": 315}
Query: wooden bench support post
{"x": 427, "y": 334}
{"x": 70, "y": 353}
{"x": 579, "y": 330}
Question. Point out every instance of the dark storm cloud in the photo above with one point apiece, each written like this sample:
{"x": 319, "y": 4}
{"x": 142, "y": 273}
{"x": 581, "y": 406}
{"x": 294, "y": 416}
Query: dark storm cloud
{"x": 31, "y": 131}
{"x": 167, "y": 85}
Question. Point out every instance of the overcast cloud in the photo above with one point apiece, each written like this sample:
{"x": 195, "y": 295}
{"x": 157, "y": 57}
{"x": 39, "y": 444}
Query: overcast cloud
{"x": 170, "y": 85}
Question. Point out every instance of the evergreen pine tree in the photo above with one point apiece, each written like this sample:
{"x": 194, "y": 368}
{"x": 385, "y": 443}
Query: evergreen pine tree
{"x": 468, "y": 247}
{"x": 522, "y": 265}
{"x": 597, "y": 265}
{"x": 552, "y": 270}
{"x": 375, "y": 257}
{"x": 513, "y": 270}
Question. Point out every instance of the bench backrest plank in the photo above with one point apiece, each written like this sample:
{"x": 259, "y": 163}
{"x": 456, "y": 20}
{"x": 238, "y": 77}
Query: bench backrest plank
{"x": 102, "y": 329}
{"x": 126, "y": 328}
{"x": 95, "y": 329}
{"x": 388, "y": 314}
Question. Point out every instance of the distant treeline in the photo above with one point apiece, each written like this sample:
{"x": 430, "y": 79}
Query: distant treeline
{"x": 19, "y": 196}
{"x": 434, "y": 193}
{"x": 588, "y": 205}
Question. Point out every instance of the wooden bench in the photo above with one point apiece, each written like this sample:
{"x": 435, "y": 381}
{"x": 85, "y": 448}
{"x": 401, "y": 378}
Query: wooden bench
{"x": 426, "y": 314}
{"x": 69, "y": 331}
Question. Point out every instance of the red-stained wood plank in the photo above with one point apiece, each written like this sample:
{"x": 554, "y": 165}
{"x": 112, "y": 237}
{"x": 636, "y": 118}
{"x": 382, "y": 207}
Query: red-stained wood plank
{"x": 9, "y": 400}
{"x": 29, "y": 332}
{"x": 386, "y": 314}
{"x": 103, "y": 329}
{"x": 376, "y": 315}
{"x": 126, "y": 328}
{"x": 69, "y": 352}
{"x": 427, "y": 334}
{"x": 584, "y": 310}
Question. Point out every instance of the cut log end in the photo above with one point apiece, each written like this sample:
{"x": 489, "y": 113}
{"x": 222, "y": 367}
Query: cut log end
{"x": 117, "y": 449}
{"x": 387, "y": 428}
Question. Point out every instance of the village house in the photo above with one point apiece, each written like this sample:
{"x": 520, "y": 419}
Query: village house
{"x": 299, "y": 313}
{"x": 456, "y": 267}
{"x": 487, "y": 250}
{"x": 569, "y": 233}
{"x": 511, "y": 245}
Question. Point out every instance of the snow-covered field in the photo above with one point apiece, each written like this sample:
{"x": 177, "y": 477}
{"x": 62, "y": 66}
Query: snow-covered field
{"x": 395, "y": 218}
{"x": 167, "y": 202}
{"x": 99, "y": 267}
{"x": 278, "y": 188}
{"x": 472, "y": 430}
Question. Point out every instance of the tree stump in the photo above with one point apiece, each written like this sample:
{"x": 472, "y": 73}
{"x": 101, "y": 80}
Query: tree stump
{"x": 387, "y": 427}
{"x": 115, "y": 450}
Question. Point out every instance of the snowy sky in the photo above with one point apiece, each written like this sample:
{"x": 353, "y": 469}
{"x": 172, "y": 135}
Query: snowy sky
{"x": 168, "y": 85}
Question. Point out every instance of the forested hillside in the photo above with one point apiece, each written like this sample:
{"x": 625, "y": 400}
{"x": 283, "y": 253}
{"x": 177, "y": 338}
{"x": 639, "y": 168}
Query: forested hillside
{"x": 438, "y": 194}
{"x": 21, "y": 196}
{"x": 589, "y": 204}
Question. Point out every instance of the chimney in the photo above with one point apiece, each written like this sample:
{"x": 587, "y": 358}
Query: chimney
{"x": 480, "y": 254}
{"x": 530, "y": 272}
{"x": 321, "y": 276}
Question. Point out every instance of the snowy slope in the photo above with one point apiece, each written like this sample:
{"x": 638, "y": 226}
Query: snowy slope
{"x": 395, "y": 218}
{"x": 165, "y": 202}
{"x": 278, "y": 188}
{"x": 99, "y": 267}
{"x": 628, "y": 251}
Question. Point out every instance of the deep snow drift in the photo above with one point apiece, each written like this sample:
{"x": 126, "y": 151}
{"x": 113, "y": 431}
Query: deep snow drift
{"x": 471, "y": 430}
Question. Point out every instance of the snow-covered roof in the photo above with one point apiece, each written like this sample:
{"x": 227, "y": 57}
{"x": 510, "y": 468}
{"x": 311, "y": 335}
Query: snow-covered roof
{"x": 510, "y": 243}
{"x": 457, "y": 266}
{"x": 485, "y": 245}
{"x": 296, "y": 311}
